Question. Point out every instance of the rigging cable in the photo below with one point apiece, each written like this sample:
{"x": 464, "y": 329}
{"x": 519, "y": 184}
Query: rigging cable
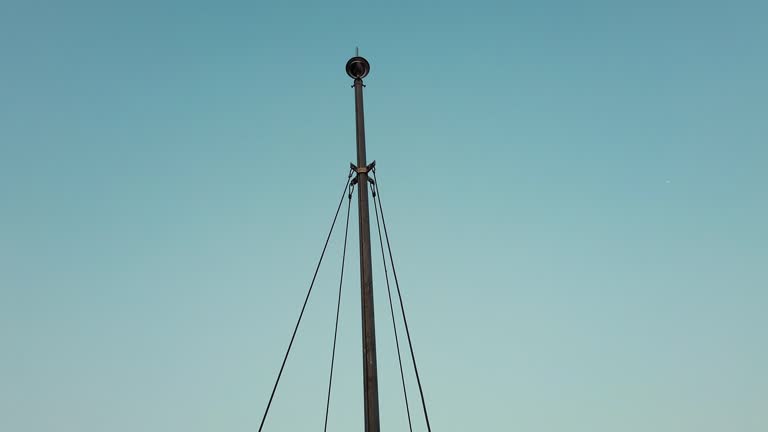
{"x": 392, "y": 311}
{"x": 338, "y": 307}
{"x": 306, "y": 299}
{"x": 400, "y": 296}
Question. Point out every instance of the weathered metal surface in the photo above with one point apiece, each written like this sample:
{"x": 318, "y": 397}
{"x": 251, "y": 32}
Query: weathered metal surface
{"x": 358, "y": 68}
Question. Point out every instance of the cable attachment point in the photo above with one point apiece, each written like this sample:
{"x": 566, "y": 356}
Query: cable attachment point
{"x": 373, "y": 186}
{"x": 363, "y": 170}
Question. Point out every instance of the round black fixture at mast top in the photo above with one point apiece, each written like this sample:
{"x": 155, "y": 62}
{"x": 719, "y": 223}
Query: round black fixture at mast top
{"x": 358, "y": 67}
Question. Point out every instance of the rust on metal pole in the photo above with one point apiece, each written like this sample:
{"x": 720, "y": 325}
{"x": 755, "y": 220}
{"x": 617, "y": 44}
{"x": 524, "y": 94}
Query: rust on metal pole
{"x": 357, "y": 69}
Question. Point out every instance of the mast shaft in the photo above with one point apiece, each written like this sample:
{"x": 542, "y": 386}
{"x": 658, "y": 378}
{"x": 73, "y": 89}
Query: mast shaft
{"x": 370, "y": 373}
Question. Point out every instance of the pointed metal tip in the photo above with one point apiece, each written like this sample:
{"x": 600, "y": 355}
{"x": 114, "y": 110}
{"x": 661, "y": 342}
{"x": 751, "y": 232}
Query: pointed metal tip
{"x": 357, "y": 51}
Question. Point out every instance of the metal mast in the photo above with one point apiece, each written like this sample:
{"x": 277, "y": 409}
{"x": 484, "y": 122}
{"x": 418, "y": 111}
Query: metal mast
{"x": 357, "y": 69}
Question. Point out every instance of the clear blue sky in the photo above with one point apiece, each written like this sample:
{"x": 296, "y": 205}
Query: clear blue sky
{"x": 576, "y": 193}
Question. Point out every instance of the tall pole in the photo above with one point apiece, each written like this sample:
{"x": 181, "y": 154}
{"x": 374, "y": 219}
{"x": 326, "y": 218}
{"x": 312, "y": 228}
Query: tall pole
{"x": 357, "y": 69}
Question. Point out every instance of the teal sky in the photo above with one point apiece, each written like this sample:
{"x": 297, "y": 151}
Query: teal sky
{"x": 576, "y": 193}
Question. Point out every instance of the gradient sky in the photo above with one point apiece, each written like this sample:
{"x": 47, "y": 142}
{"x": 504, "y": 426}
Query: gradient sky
{"x": 576, "y": 193}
